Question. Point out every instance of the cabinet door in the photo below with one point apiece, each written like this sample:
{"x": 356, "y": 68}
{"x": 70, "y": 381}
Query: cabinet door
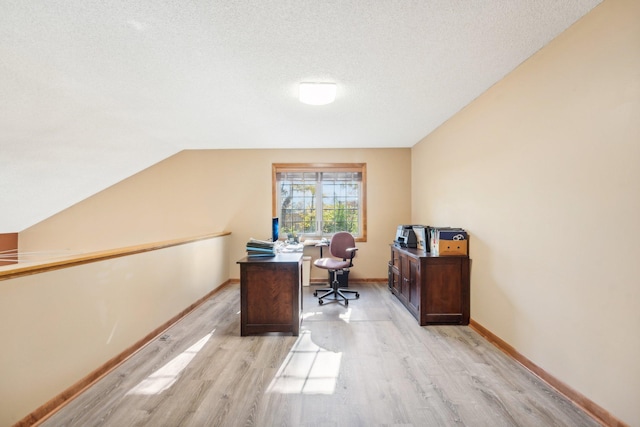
{"x": 394, "y": 279}
{"x": 395, "y": 258}
{"x": 413, "y": 296}
{"x": 405, "y": 272}
{"x": 394, "y": 272}
{"x": 410, "y": 284}
{"x": 444, "y": 293}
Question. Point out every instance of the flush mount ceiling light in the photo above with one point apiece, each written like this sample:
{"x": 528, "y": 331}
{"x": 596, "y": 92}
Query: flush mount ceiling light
{"x": 317, "y": 93}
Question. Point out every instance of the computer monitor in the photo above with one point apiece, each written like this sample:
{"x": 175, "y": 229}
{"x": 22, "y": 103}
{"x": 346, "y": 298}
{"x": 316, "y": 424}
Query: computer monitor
{"x": 275, "y": 229}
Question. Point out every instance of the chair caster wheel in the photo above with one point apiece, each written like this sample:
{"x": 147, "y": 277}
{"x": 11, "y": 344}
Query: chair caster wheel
{"x": 357, "y": 295}
{"x": 320, "y": 302}
{"x": 315, "y": 293}
{"x": 346, "y": 302}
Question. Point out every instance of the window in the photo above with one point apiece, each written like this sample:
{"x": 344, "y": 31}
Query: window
{"x": 320, "y": 199}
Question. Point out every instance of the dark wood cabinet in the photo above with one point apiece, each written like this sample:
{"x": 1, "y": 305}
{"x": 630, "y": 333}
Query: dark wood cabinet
{"x": 435, "y": 289}
{"x": 270, "y": 294}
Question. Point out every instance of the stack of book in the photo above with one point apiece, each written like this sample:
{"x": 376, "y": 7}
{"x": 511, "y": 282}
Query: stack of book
{"x": 260, "y": 248}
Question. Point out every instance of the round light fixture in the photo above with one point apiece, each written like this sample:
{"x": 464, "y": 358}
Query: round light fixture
{"x": 317, "y": 93}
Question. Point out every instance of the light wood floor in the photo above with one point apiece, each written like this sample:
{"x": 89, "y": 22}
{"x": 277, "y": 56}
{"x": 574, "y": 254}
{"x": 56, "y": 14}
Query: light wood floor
{"x": 370, "y": 364}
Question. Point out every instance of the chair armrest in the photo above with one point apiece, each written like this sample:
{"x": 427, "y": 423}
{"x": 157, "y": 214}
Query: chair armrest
{"x": 351, "y": 249}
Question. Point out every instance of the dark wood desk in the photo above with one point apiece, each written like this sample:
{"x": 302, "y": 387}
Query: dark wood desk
{"x": 270, "y": 294}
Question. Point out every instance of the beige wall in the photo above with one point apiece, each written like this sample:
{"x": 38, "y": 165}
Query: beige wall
{"x": 204, "y": 191}
{"x": 544, "y": 172}
{"x": 59, "y": 326}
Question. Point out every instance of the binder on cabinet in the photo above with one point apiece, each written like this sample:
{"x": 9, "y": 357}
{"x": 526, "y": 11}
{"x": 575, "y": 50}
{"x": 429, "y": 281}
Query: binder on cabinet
{"x": 448, "y": 241}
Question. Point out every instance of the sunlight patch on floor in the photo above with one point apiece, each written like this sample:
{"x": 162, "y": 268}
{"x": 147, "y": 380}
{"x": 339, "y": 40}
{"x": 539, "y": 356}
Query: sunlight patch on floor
{"x": 308, "y": 369}
{"x": 346, "y": 316}
{"x": 165, "y": 377}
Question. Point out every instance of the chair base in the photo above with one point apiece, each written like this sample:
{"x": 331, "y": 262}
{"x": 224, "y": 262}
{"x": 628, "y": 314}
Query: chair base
{"x": 335, "y": 291}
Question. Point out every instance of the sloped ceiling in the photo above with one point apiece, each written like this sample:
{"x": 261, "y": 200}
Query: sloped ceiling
{"x": 92, "y": 92}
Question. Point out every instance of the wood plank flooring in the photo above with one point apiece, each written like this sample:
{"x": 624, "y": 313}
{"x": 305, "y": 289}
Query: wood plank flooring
{"x": 368, "y": 364}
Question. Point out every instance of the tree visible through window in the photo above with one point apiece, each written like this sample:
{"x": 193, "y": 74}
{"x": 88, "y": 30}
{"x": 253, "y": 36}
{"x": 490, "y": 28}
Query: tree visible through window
{"x": 320, "y": 200}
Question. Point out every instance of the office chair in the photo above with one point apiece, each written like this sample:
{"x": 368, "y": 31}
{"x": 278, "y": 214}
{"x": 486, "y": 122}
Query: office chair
{"x": 343, "y": 246}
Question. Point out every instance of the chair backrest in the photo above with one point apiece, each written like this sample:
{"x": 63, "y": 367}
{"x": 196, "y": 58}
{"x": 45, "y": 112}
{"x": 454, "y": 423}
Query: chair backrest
{"x": 340, "y": 242}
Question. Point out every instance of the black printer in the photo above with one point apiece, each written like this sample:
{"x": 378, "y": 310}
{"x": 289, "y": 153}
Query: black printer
{"x": 406, "y": 237}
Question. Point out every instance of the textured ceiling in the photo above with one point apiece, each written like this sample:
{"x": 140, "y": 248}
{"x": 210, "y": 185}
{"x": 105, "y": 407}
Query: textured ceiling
{"x": 92, "y": 92}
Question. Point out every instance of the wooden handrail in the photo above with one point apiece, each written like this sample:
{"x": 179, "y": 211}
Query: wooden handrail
{"x": 40, "y": 267}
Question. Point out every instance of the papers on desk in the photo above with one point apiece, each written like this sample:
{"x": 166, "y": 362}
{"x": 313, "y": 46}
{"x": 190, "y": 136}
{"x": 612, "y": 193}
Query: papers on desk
{"x": 287, "y": 248}
{"x": 265, "y": 248}
{"x": 311, "y": 242}
{"x": 317, "y": 242}
{"x": 260, "y": 248}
